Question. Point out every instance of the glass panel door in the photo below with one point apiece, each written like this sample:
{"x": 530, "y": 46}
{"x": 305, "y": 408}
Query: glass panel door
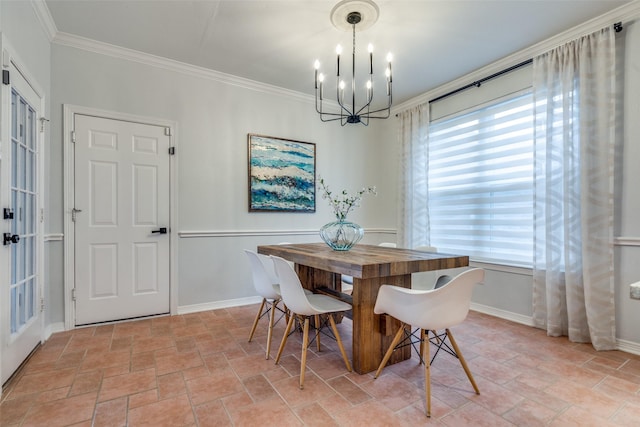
{"x": 20, "y": 199}
{"x": 23, "y": 287}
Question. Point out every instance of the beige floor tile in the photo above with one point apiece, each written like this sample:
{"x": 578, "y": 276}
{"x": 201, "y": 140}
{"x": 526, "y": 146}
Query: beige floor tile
{"x": 176, "y": 411}
{"x": 270, "y": 412}
{"x": 126, "y": 384}
{"x": 62, "y": 412}
{"x": 220, "y": 383}
{"x": 200, "y": 370}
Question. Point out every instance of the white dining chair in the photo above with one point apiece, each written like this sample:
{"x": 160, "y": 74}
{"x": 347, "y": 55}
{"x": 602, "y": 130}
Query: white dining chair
{"x": 428, "y": 279}
{"x": 431, "y": 311}
{"x": 266, "y": 284}
{"x": 302, "y": 306}
{"x": 388, "y": 245}
{"x": 292, "y": 264}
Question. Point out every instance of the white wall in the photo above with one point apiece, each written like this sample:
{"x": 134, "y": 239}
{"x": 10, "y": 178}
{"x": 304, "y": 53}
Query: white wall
{"x": 627, "y": 252}
{"x": 214, "y": 119}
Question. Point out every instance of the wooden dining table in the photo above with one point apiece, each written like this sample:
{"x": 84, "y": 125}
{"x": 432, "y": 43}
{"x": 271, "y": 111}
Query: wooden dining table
{"x": 320, "y": 268}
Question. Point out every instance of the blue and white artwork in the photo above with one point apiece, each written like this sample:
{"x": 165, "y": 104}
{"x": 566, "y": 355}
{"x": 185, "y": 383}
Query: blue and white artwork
{"x": 282, "y": 174}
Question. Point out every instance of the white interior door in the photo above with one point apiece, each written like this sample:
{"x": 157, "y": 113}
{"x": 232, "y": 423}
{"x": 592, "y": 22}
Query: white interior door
{"x": 22, "y": 231}
{"x": 121, "y": 219}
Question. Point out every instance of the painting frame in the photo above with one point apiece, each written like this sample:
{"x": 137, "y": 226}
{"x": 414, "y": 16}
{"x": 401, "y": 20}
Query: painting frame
{"x": 281, "y": 174}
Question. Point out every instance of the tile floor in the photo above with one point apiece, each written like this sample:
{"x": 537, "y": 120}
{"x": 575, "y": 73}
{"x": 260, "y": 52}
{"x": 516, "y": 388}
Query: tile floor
{"x": 199, "y": 369}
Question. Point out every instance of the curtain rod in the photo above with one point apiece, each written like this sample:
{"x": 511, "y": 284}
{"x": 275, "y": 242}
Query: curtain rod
{"x": 617, "y": 27}
{"x": 478, "y": 83}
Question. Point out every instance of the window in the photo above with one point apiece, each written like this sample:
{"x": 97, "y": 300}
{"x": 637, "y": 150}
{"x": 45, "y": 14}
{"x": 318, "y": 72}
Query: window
{"x": 481, "y": 181}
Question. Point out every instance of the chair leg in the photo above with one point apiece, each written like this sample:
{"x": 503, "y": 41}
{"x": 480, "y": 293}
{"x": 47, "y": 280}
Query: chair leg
{"x": 272, "y": 316}
{"x": 339, "y": 341}
{"x": 284, "y": 338}
{"x": 255, "y": 322}
{"x": 389, "y": 352}
{"x": 427, "y": 372}
{"x": 462, "y": 361}
{"x": 316, "y": 320}
{"x": 305, "y": 343}
{"x": 287, "y": 312}
{"x": 422, "y": 338}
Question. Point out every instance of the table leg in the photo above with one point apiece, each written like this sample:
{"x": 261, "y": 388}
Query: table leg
{"x": 312, "y": 278}
{"x": 370, "y": 339}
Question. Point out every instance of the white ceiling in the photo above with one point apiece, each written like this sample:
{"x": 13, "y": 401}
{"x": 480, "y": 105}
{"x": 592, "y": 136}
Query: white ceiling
{"x": 276, "y": 42}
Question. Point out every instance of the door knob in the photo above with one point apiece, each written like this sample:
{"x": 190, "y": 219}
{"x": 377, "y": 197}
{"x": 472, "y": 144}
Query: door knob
{"x": 161, "y": 230}
{"x": 8, "y": 238}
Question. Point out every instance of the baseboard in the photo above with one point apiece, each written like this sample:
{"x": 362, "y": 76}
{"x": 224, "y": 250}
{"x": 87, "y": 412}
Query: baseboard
{"x": 628, "y": 346}
{"x": 216, "y": 305}
{"x": 622, "y": 345}
{"x": 503, "y": 314}
{"x": 52, "y": 329}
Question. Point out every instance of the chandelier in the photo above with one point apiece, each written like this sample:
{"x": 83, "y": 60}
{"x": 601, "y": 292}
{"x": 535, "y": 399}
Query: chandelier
{"x": 349, "y": 14}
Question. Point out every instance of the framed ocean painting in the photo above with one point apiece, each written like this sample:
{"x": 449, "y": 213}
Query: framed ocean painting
{"x": 282, "y": 175}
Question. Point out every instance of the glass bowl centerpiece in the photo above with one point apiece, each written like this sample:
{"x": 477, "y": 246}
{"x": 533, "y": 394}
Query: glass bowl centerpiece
{"x": 342, "y": 234}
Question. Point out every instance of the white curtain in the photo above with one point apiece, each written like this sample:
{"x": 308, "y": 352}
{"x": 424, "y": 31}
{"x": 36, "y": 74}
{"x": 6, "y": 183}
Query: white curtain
{"x": 574, "y": 95}
{"x": 413, "y": 215}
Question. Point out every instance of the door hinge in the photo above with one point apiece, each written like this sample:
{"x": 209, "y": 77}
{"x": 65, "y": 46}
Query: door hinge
{"x": 172, "y": 151}
{"x": 73, "y": 294}
{"x": 41, "y": 214}
{"x": 43, "y": 120}
{"x": 41, "y": 305}
{"x": 167, "y": 131}
{"x": 73, "y": 136}
{"x": 5, "y": 77}
{"x": 74, "y": 212}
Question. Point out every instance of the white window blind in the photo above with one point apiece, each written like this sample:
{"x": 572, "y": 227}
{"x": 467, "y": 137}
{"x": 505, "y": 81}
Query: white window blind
{"x": 481, "y": 182}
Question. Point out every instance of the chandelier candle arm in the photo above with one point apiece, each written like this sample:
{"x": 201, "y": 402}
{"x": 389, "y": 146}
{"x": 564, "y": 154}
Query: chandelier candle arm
{"x": 316, "y": 66}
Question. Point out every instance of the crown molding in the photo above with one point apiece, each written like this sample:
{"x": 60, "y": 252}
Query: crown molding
{"x": 624, "y": 13}
{"x": 45, "y": 18}
{"x": 70, "y": 40}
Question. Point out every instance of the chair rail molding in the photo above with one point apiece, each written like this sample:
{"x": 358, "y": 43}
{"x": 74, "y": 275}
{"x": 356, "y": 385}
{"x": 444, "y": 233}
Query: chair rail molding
{"x": 187, "y": 234}
{"x": 626, "y": 241}
{"x": 54, "y": 237}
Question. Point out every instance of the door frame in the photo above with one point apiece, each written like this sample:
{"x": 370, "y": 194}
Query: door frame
{"x": 69, "y": 112}
{"x": 12, "y": 62}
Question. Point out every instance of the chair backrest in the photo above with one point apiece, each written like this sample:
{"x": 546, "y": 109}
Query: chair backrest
{"x": 387, "y": 245}
{"x": 291, "y": 289}
{"x": 427, "y": 279}
{"x": 432, "y": 309}
{"x": 264, "y": 276}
